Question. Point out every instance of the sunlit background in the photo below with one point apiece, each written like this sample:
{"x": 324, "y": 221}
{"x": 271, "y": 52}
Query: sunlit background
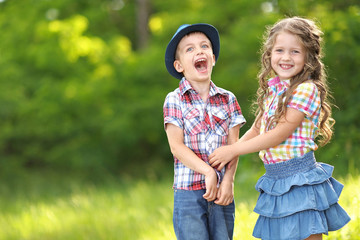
{"x": 83, "y": 152}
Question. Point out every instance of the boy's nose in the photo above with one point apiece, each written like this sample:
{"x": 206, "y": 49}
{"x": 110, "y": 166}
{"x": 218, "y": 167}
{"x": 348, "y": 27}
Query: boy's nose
{"x": 199, "y": 51}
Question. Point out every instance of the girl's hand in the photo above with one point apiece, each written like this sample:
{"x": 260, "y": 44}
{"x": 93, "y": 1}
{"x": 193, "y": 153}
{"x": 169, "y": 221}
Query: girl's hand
{"x": 220, "y": 157}
{"x": 232, "y": 162}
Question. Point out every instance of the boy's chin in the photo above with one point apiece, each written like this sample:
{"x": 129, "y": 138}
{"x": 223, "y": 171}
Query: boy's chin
{"x": 199, "y": 77}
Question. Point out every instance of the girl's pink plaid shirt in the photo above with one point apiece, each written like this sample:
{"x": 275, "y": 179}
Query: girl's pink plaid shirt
{"x": 206, "y": 126}
{"x": 305, "y": 98}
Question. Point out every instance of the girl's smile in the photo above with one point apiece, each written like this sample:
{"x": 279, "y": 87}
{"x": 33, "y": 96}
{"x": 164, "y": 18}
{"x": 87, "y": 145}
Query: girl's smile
{"x": 286, "y": 66}
{"x": 287, "y": 56}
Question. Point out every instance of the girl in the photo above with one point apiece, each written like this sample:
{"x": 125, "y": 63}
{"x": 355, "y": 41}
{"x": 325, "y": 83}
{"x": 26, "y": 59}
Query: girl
{"x": 298, "y": 197}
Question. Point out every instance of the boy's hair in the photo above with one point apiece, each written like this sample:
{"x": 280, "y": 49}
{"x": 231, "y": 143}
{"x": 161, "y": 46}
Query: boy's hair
{"x": 310, "y": 37}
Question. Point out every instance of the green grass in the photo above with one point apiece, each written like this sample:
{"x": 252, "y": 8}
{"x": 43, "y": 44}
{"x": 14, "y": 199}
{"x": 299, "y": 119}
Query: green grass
{"x": 49, "y": 205}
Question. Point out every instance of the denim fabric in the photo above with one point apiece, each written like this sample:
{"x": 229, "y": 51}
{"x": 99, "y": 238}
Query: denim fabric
{"x": 291, "y": 167}
{"x": 196, "y": 218}
{"x": 298, "y": 198}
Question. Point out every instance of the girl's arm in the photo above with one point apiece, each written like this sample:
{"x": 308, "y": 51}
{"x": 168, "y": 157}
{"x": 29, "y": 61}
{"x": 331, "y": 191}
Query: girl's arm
{"x": 175, "y": 137}
{"x": 272, "y": 138}
{"x": 251, "y": 133}
{"x": 225, "y": 194}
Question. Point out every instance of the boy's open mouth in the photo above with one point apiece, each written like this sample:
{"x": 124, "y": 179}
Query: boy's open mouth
{"x": 201, "y": 65}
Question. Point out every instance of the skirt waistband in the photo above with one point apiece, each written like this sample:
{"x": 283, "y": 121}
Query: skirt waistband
{"x": 294, "y": 165}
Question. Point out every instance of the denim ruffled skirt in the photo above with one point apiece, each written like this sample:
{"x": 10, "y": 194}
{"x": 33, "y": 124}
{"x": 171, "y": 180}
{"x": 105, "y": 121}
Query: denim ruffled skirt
{"x": 298, "y": 198}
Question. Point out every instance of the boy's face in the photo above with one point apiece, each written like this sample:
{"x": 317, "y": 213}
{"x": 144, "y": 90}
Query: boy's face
{"x": 194, "y": 57}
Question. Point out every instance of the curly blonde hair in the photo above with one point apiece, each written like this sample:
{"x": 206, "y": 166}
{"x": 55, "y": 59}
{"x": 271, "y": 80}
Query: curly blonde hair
{"x": 311, "y": 38}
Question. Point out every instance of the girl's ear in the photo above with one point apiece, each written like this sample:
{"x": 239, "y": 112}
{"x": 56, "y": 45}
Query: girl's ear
{"x": 178, "y": 67}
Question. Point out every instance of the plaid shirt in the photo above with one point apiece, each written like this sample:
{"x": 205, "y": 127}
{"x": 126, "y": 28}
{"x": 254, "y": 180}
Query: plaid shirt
{"x": 306, "y": 99}
{"x": 206, "y": 126}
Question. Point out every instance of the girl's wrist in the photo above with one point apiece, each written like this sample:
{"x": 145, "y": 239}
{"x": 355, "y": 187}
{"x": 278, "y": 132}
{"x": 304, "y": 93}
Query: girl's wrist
{"x": 233, "y": 150}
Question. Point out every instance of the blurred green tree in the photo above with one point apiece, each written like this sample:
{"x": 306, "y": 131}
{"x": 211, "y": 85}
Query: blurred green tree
{"x": 81, "y": 88}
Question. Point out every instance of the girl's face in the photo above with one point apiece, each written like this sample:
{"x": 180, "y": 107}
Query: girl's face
{"x": 287, "y": 56}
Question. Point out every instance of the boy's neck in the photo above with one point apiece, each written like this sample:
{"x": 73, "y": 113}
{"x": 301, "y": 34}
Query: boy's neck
{"x": 202, "y": 88}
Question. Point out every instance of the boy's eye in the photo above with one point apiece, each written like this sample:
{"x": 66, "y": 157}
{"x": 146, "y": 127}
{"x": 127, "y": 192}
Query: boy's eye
{"x": 189, "y": 49}
{"x": 205, "y": 46}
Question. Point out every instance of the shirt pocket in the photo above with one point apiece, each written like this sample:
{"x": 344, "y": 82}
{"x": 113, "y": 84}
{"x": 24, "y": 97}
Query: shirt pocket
{"x": 221, "y": 121}
{"x": 192, "y": 121}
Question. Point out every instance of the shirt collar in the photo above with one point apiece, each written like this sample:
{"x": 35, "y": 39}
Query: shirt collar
{"x": 185, "y": 86}
{"x": 276, "y": 81}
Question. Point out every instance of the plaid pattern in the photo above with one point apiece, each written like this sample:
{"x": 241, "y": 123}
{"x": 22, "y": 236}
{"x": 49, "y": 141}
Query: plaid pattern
{"x": 306, "y": 99}
{"x": 206, "y": 126}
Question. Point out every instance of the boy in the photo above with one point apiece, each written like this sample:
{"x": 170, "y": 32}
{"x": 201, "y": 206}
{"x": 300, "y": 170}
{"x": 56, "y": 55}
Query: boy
{"x": 198, "y": 118}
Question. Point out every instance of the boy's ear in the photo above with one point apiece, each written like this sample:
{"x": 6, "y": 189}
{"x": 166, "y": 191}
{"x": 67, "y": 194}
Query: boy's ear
{"x": 214, "y": 59}
{"x": 178, "y": 67}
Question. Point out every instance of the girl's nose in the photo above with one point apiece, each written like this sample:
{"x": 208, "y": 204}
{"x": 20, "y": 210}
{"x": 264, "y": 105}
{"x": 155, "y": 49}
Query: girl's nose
{"x": 286, "y": 56}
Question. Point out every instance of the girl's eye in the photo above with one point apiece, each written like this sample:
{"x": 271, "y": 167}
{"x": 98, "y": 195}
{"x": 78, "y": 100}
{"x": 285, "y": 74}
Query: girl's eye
{"x": 278, "y": 50}
{"x": 296, "y": 51}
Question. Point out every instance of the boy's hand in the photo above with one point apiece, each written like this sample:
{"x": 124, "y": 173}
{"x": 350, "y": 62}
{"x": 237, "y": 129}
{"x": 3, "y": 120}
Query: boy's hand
{"x": 220, "y": 157}
{"x": 225, "y": 194}
{"x": 211, "y": 185}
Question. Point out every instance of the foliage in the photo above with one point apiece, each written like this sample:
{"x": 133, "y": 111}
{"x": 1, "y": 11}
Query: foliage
{"x": 45, "y": 205}
{"x": 77, "y": 93}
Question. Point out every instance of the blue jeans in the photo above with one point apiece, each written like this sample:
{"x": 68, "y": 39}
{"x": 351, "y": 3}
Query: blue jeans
{"x": 196, "y": 218}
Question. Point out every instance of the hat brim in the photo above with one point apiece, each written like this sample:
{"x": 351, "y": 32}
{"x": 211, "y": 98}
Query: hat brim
{"x": 209, "y": 30}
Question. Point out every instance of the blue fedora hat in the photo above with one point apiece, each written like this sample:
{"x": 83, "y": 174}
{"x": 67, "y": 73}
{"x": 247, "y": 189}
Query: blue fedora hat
{"x": 209, "y": 30}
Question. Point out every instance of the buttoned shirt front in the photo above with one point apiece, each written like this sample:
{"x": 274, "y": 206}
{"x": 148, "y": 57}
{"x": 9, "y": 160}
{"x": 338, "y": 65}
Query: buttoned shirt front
{"x": 205, "y": 124}
{"x": 305, "y": 98}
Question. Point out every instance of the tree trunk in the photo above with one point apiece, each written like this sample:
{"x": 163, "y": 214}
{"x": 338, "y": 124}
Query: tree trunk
{"x": 142, "y": 17}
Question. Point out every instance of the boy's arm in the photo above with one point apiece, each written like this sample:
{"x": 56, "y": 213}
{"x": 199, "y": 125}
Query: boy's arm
{"x": 225, "y": 194}
{"x": 175, "y": 137}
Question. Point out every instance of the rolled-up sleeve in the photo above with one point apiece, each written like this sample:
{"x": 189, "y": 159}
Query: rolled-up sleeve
{"x": 172, "y": 110}
{"x": 235, "y": 112}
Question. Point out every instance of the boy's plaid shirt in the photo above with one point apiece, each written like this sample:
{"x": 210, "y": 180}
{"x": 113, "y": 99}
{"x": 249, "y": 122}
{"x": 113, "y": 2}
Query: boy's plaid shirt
{"x": 206, "y": 126}
{"x": 305, "y": 98}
